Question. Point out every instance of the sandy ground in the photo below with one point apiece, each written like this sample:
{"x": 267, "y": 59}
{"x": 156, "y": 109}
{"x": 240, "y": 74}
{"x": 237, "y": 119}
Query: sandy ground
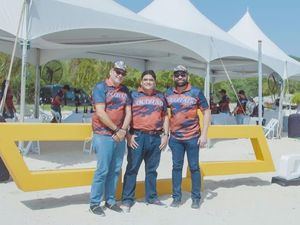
{"x": 240, "y": 199}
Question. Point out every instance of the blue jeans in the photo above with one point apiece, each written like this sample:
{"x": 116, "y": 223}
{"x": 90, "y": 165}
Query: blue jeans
{"x": 239, "y": 118}
{"x": 242, "y": 119}
{"x": 178, "y": 148}
{"x": 109, "y": 162}
{"x": 148, "y": 150}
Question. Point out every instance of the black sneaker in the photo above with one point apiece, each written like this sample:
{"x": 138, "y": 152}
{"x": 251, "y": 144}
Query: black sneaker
{"x": 175, "y": 203}
{"x": 114, "y": 207}
{"x": 156, "y": 202}
{"x": 195, "y": 204}
{"x": 97, "y": 210}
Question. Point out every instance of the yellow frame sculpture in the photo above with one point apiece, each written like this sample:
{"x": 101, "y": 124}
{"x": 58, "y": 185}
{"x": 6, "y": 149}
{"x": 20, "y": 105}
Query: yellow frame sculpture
{"x": 28, "y": 180}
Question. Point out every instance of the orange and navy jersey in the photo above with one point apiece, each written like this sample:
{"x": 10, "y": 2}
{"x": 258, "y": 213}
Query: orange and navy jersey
{"x": 241, "y": 106}
{"x": 184, "y": 121}
{"x": 224, "y": 104}
{"x": 148, "y": 111}
{"x": 115, "y": 100}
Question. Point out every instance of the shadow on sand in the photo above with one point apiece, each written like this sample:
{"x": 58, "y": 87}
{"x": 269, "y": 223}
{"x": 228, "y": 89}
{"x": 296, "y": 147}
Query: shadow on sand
{"x": 49, "y": 203}
{"x": 211, "y": 186}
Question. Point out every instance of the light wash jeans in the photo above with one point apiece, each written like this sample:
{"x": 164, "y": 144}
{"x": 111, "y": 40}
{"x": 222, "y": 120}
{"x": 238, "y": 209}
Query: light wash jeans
{"x": 242, "y": 119}
{"x": 109, "y": 162}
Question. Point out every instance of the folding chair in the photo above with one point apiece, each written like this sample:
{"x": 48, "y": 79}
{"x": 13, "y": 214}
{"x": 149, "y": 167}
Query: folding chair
{"x": 33, "y": 147}
{"x": 87, "y": 144}
{"x": 271, "y": 128}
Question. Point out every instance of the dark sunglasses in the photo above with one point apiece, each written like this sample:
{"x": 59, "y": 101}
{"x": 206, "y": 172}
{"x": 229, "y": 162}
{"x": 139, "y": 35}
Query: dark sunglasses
{"x": 120, "y": 72}
{"x": 180, "y": 74}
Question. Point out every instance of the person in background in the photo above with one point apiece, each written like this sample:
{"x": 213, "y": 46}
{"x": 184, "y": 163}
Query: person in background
{"x": 110, "y": 122}
{"x": 9, "y": 108}
{"x": 186, "y": 137}
{"x": 224, "y": 102}
{"x": 148, "y": 137}
{"x": 56, "y": 103}
{"x": 213, "y": 106}
{"x": 240, "y": 109}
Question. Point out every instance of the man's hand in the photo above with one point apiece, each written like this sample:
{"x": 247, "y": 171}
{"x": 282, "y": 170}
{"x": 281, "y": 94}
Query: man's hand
{"x": 202, "y": 141}
{"x": 131, "y": 141}
{"x": 163, "y": 142}
{"x": 119, "y": 135}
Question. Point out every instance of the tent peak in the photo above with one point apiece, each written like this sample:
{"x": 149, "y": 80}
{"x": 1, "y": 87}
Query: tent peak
{"x": 247, "y": 10}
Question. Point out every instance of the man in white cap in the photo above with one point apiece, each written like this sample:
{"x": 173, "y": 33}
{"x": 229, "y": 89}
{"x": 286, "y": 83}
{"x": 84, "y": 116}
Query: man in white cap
{"x": 184, "y": 100}
{"x": 110, "y": 121}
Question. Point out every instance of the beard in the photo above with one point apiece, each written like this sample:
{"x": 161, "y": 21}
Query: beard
{"x": 181, "y": 84}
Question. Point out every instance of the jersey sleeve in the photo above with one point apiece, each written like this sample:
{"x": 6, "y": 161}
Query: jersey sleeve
{"x": 203, "y": 105}
{"x": 99, "y": 94}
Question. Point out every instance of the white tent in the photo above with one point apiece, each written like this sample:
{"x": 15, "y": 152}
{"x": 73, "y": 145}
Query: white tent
{"x": 103, "y": 29}
{"x": 73, "y": 28}
{"x": 182, "y": 14}
{"x": 248, "y": 33}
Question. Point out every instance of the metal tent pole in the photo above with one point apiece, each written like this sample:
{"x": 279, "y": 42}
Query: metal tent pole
{"x": 260, "y": 82}
{"x": 37, "y": 85}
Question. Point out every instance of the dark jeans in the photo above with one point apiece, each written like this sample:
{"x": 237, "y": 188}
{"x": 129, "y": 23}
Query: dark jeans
{"x": 56, "y": 109}
{"x": 148, "y": 150}
{"x": 179, "y": 147}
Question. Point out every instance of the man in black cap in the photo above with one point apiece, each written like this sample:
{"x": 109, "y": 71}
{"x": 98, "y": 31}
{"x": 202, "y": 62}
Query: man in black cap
{"x": 224, "y": 102}
{"x": 186, "y": 137}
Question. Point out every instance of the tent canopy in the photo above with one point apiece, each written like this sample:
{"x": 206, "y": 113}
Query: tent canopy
{"x": 247, "y": 32}
{"x": 235, "y": 54}
{"x": 107, "y": 30}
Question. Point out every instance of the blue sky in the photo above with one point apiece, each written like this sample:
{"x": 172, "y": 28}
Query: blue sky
{"x": 279, "y": 19}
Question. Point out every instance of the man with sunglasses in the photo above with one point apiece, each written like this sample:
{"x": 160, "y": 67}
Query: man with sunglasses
{"x": 184, "y": 100}
{"x": 110, "y": 121}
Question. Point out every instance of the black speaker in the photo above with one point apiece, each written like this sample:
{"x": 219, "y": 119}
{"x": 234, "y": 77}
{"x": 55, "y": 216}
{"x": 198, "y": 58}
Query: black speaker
{"x": 294, "y": 125}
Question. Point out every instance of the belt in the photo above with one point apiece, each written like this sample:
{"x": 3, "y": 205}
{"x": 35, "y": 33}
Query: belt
{"x": 151, "y": 132}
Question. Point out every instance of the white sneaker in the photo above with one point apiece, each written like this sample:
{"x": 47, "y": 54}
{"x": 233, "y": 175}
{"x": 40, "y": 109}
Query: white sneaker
{"x": 125, "y": 208}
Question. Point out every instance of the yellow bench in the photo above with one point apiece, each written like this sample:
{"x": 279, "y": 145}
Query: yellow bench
{"x": 42, "y": 180}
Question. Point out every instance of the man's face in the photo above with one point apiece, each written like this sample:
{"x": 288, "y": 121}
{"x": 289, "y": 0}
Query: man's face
{"x": 117, "y": 75}
{"x": 180, "y": 78}
{"x": 148, "y": 82}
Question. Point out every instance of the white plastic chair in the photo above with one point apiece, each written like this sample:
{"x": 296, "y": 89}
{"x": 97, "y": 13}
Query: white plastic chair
{"x": 271, "y": 128}
{"x": 33, "y": 147}
{"x": 44, "y": 116}
{"x": 87, "y": 144}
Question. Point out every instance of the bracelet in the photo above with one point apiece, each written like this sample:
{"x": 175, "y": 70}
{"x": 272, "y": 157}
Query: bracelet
{"x": 165, "y": 134}
{"x": 116, "y": 130}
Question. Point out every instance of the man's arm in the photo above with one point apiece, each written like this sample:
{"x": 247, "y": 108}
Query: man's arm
{"x": 206, "y": 122}
{"x": 120, "y": 135}
{"x": 127, "y": 118}
{"x": 103, "y": 117}
{"x": 165, "y": 135}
